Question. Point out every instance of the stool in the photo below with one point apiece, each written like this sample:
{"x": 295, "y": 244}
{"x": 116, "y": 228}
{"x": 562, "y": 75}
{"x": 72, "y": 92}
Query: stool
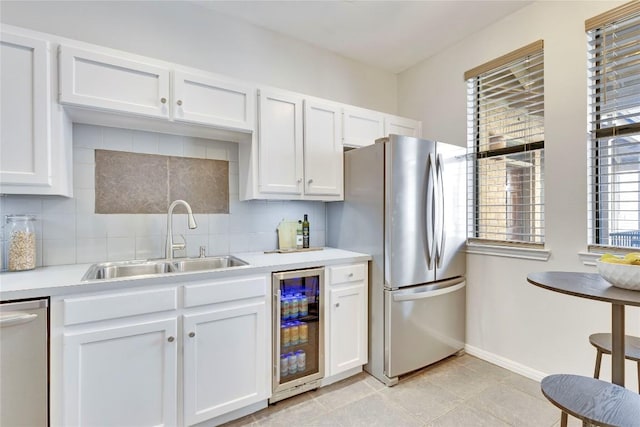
{"x": 602, "y": 343}
{"x": 591, "y": 400}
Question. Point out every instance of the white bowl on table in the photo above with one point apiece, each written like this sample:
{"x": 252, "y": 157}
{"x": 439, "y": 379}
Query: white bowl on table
{"x": 625, "y": 276}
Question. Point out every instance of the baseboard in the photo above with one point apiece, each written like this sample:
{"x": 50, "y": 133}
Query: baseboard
{"x": 512, "y": 366}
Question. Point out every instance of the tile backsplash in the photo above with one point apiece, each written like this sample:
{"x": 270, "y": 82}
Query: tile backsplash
{"x": 69, "y": 231}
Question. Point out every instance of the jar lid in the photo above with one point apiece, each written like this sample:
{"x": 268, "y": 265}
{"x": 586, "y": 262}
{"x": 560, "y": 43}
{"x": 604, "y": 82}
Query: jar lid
{"x": 20, "y": 217}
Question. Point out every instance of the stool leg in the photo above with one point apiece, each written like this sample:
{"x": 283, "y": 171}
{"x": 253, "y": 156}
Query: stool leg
{"x": 563, "y": 419}
{"x": 596, "y": 374}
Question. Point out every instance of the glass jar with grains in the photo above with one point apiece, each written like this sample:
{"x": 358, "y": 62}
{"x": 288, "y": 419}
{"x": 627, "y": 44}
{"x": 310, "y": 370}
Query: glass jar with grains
{"x": 20, "y": 237}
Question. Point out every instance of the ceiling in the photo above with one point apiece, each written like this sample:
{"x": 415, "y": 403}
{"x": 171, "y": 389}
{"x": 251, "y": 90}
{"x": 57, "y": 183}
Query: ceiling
{"x": 391, "y": 35}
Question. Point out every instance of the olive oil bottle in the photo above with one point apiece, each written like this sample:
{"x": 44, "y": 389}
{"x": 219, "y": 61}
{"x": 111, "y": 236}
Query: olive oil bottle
{"x": 305, "y": 232}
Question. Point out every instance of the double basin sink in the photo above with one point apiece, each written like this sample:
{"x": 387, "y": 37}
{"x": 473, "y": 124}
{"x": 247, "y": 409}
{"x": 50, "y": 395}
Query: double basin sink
{"x": 113, "y": 270}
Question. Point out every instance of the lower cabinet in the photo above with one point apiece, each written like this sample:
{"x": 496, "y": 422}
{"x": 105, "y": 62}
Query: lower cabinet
{"x": 224, "y": 360}
{"x": 121, "y": 358}
{"x": 124, "y": 375}
{"x": 347, "y": 318}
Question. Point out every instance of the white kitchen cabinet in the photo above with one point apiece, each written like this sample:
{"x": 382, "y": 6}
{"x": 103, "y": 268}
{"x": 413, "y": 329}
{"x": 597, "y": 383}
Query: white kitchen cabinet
{"x": 124, "y": 361}
{"x": 402, "y": 126}
{"x": 297, "y": 154}
{"x": 209, "y": 100}
{"x": 280, "y": 158}
{"x": 362, "y": 127}
{"x": 119, "y": 359}
{"x": 125, "y": 84}
{"x": 323, "y": 160}
{"x": 347, "y": 317}
{"x": 226, "y": 356}
{"x": 113, "y": 83}
{"x": 125, "y": 375}
{"x": 34, "y": 135}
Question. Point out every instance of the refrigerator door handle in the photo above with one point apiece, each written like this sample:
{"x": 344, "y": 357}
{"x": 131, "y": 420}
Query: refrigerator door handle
{"x": 440, "y": 229}
{"x": 428, "y": 294}
{"x": 429, "y": 214}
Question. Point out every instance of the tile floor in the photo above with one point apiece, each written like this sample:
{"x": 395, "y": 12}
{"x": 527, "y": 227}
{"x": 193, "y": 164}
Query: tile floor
{"x": 459, "y": 391}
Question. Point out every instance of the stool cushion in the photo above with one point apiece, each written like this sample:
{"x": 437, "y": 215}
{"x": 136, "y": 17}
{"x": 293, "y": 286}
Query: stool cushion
{"x": 593, "y": 400}
{"x": 602, "y": 341}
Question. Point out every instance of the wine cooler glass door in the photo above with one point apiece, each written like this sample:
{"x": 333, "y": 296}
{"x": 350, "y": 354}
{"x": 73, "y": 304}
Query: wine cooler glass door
{"x": 298, "y": 328}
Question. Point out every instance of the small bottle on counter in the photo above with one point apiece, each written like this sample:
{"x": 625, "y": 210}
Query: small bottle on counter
{"x": 305, "y": 231}
{"x": 299, "y": 235}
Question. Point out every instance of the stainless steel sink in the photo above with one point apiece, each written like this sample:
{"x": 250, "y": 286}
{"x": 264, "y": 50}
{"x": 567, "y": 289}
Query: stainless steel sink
{"x": 113, "y": 270}
{"x": 208, "y": 263}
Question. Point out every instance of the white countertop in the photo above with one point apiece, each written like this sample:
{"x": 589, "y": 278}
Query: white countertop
{"x": 65, "y": 279}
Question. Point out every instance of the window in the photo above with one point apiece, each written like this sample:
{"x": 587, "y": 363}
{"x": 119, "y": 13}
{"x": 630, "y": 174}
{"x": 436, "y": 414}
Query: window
{"x": 505, "y": 121}
{"x": 614, "y": 117}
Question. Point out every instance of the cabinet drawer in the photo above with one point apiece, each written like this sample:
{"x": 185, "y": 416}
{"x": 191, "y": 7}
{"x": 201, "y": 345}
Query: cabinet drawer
{"x": 115, "y": 305}
{"x": 224, "y": 290}
{"x": 347, "y": 273}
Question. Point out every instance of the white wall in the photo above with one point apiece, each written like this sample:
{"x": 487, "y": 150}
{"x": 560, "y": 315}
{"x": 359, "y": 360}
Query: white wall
{"x": 508, "y": 318}
{"x": 188, "y": 34}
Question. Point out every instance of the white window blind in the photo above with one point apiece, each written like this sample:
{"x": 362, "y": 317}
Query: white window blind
{"x": 614, "y": 117}
{"x": 505, "y": 121}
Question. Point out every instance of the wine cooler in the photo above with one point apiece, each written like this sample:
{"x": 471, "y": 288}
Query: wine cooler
{"x": 298, "y": 337}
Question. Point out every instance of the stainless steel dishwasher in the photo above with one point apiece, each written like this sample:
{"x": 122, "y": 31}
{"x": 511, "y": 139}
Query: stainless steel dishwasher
{"x": 24, "y": 363}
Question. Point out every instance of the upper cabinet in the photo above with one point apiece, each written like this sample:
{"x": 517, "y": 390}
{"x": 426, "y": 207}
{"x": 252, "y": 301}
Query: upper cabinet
{"x": 323, "y": 163}
{"x": 362, "y": 127}
{"x": 92, "y": 79}
{"x": 298, "y": 150}
{"x": 35, "y": 138}
{"x": 152, "y": 89}
{"x": 209, "y": 100}
{"x": 402, "y": 126}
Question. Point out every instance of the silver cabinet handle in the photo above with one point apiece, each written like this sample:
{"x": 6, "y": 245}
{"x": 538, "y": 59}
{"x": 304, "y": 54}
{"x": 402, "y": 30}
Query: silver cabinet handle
{"x": 16, "y": 318}
{"x": 299, "y": 180}
{"x": 350, "y": 275}
{"x": 192, "y": 334}
{"x": 310, "y": 181}
{"x": 163, "y": 100}
{"x": 337, "y": 304}
{"x": 179, "y": 102}
{"x": 170, "y": 339}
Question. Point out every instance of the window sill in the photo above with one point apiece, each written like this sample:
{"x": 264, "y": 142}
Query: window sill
{"x": 509, "y": 251}
{"x": 589, "y": 258}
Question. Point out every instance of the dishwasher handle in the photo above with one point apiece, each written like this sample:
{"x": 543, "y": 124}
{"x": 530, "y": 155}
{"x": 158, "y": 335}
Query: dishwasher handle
{"x": 13, "y": 318}
{"x": 428, "y": 294}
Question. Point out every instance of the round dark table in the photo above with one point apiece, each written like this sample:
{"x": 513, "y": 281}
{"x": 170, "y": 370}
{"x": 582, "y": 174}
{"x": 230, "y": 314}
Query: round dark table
{"x": 593, "y": 286}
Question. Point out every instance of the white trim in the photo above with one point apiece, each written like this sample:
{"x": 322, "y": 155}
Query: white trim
{"x": 589, "y": 258}
{"x": 509, "y": 251}
{"x": 505, "y": 363}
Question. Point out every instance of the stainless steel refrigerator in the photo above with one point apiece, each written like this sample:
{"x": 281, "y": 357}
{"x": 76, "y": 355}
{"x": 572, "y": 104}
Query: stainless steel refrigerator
{"x": 405, "y": 204}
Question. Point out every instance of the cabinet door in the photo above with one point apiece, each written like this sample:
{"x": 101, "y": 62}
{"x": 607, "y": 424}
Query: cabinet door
{"x": 348, "y": 327}
{"x": 362, "y": 127}
{"x": 121, "y": 376}
{"x": 210, "y": 101}
{"x": 280, "y": 143}
{"x": 105, "y": 82}
{"x": 402, "y": 126}
{"x": 224, "y": 360}
{"x": 322, "y": 149}
{"x": 25, "y": 141}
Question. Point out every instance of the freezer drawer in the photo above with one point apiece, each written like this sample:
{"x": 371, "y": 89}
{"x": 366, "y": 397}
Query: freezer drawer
{"x": 423, "y": 324}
